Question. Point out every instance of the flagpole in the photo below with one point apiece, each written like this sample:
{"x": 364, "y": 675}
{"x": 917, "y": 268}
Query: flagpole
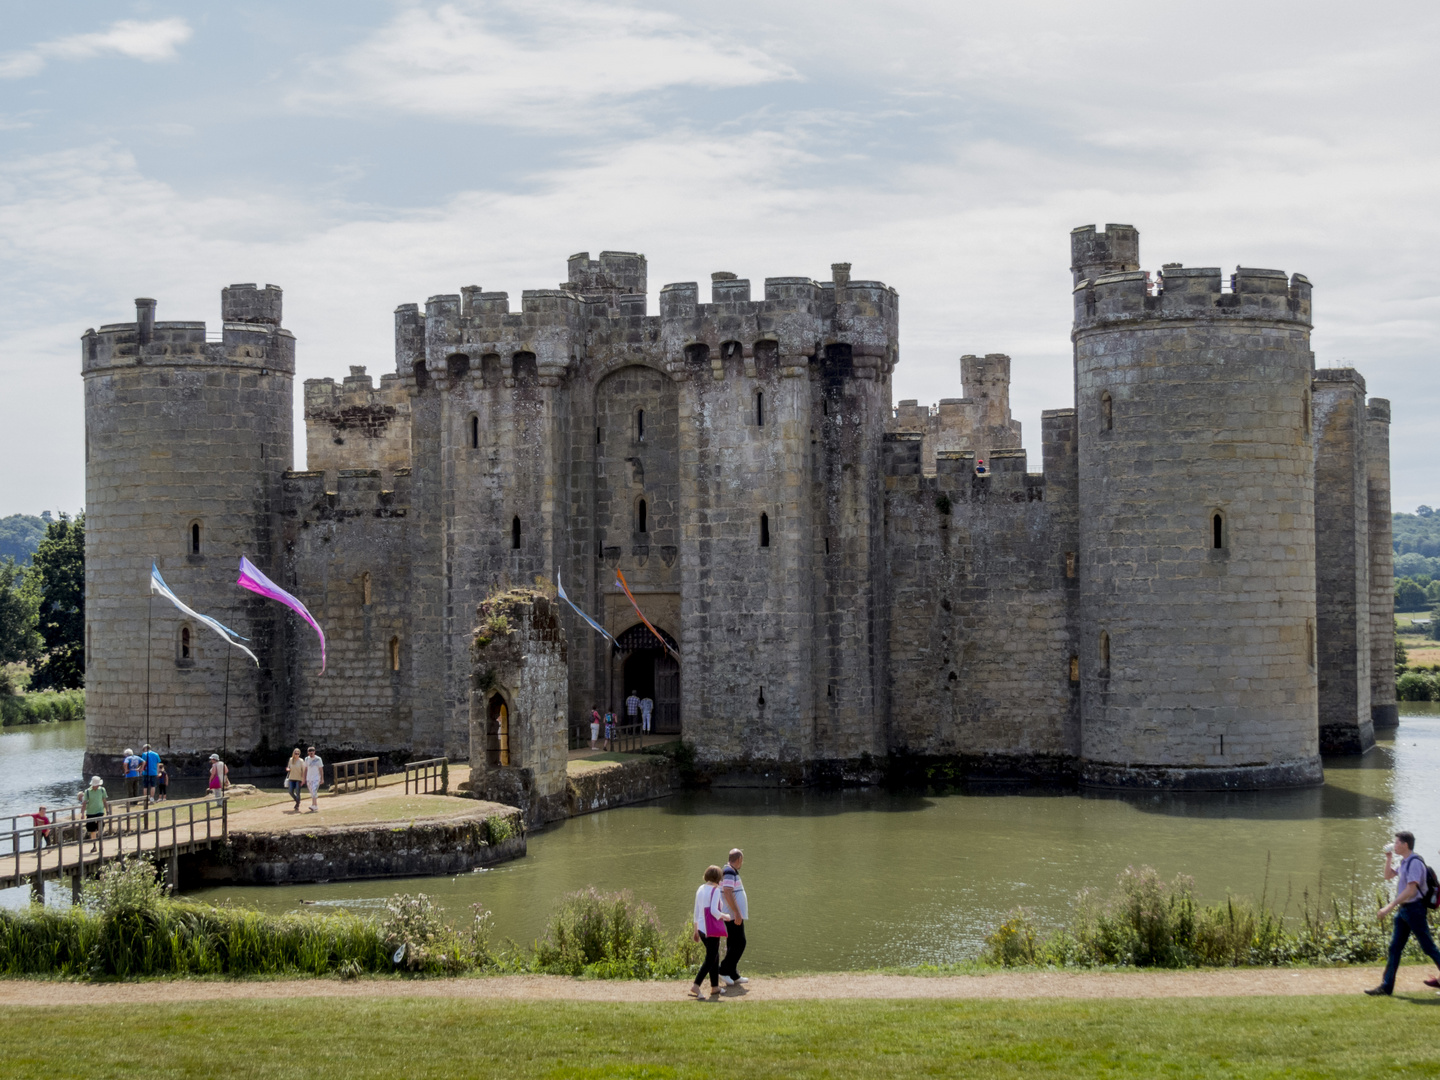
{"x": 149, "y": 657}
{"x": 225, "y": 728}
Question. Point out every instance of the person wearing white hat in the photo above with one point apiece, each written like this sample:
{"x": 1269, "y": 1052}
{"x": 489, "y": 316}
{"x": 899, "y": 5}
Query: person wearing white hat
{"x": 97, "y": 804}
{"x": 133, "y": 763}
{"x": 218, "y": 773}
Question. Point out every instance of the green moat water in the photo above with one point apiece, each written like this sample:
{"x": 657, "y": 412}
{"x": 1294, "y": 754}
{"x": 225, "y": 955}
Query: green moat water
{"x": 856, "y": 879}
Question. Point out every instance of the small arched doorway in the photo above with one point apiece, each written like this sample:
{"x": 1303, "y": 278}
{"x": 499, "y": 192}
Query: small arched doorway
{"x": 650, "y": 671}
{"x": 497, "y": 732}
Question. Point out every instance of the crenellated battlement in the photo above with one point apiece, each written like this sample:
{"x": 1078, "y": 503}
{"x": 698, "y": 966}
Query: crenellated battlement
{"x": 602, "y": 306}
{"x": 254, "y": 339}
{"x": 354, "y": 425}
{"x": 357, "y": 494}
{"x": 1177, "y": 292}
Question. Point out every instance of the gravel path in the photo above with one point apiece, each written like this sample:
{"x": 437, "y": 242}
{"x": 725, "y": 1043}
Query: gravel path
{"x": 1148, "y": 984}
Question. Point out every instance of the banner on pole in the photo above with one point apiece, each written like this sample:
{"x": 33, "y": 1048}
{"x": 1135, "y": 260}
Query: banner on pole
{"x": 560, "y": 588}
{"x": 251, "y": 578}
{"x": 620, "y": 583}
{"x": 158, "y": 587}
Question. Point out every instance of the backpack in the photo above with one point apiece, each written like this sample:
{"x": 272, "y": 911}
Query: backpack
{"x": 1431, "y": 892}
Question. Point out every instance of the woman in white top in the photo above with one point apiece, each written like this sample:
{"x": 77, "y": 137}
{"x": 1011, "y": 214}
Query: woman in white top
{"x": 710, "y": 920}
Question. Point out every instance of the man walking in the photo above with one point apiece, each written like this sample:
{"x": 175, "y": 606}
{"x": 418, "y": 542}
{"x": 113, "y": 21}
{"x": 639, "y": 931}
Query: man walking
{"x": 151, "y": 765}
{"x": 1410, "y": 905}
{"x": 632, "y": 709}
{"x": 732, "y": 894}
{"x": 133, "y": 765}
{"x": 647, "y": 706}
{"x": 314, "y": 774}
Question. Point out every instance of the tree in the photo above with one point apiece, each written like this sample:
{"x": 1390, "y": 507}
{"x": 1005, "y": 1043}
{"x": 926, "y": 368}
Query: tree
{"x": 59, "y": 568}
{"x": 20, "y": 642}
{"x": 1408, "y": 595}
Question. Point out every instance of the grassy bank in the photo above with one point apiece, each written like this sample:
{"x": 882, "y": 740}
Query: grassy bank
{"x": 356, "y": 1039}
{"x": 42, "y": 707}
{"x": 127, "y": 928}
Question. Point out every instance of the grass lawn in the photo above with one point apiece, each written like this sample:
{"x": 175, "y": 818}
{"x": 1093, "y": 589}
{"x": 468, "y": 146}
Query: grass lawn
{"x": 354, "y": 1039}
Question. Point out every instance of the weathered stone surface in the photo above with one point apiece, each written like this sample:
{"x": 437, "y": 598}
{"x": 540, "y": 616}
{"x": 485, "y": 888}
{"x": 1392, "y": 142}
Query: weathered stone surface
{"x": 621, "y": 784}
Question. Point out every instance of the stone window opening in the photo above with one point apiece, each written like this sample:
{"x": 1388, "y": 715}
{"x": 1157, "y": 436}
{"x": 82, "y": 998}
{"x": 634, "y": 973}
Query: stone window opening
{"x": 639, "y": 425}
{"x": 1074, "y": 669}
{"x": 1305, "y": 412}
{"x": 760, "y": 702}
{"x": 1310, "y": 643}
{"x": 764, "y": 530}
{"x": 759, "y": 408}
{"x": 195, "y": 537}
{"x": 474, "y": 431}
{"x": 827, "y": 545}
{"x": 1107, "y": 412}
{"x": 597, "y": 436}
{"x": 497, "y": 732}
{"x": 457, "y": 366}
{"x": 1104, "y": 654}
{"x": 642, "y": 517}
{"x": 395, "y": 653}
{"x": 186, "y": 654}
{"x": 365, "y": 588}
{"x": 515, "y": 534}
{"x": 1069, "y": 564}
{"x": 1218, "y": 535}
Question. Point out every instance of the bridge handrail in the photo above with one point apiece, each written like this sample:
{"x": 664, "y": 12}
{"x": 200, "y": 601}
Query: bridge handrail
{"x": 364, "y": 772}
{"x": 136, "y": 823}
{"x": 426, "y": 775}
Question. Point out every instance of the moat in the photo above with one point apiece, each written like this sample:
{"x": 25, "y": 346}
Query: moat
{"x": 859, "y": 878}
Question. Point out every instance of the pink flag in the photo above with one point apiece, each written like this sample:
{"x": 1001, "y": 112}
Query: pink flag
{"x": 251, "y": 578}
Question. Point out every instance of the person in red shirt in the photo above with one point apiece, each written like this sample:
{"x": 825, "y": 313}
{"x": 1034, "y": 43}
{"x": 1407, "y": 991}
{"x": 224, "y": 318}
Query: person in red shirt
{"x": 42, "y": 838}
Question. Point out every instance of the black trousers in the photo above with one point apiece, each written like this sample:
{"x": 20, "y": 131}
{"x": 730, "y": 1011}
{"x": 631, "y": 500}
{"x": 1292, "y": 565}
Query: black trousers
{"x": 711, "y": 966}
{"x": 734, "y": 949}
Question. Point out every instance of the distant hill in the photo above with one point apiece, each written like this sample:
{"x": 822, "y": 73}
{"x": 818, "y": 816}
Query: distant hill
{"x": 20, "y": 535}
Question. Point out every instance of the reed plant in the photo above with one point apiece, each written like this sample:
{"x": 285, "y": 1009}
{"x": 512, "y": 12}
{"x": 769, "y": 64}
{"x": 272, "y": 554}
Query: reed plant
{"x": 611, "y": 936}
{"x": 1147, "y": 922}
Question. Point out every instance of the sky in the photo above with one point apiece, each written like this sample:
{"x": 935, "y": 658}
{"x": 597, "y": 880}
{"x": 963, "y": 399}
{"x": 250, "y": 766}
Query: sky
{"x": 366, "y": 154}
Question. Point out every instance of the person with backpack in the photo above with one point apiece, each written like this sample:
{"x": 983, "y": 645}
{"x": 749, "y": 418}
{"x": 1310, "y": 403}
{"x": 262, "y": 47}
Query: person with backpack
{"x": 1415, "y": 894}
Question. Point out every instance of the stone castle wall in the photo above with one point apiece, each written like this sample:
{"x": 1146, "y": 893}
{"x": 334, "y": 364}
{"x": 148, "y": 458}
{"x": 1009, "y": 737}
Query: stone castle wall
{"x": 186, "y": 439}
{"x": 839, "y": 578}
{"x": 1197, "y": 661}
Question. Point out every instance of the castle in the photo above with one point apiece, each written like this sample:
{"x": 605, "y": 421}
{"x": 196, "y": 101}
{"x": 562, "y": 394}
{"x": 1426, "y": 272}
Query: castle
{"x": 1195, "y": 592}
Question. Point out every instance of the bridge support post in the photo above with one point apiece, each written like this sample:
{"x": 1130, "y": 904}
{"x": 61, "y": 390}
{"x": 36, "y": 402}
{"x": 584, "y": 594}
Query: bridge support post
{"x": 172, "y": 871}
{"x": 75, "y": 884}
{"x": 37, "y": 890}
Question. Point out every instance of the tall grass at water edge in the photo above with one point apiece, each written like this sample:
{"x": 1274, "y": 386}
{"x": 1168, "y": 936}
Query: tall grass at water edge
{"x": 127, "y": 927}
{"x": 1146, "y": 922}
{"x": 41, "y": 707}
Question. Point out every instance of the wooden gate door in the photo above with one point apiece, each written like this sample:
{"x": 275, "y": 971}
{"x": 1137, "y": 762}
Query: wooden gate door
{"x": 667, "y": 695}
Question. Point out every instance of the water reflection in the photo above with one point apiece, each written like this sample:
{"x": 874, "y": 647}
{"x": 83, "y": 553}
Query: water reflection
{"x": 860, "y": 878}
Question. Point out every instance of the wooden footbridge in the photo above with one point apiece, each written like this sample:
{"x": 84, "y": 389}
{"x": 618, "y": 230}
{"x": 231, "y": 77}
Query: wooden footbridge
{"x": 34, "y": 853}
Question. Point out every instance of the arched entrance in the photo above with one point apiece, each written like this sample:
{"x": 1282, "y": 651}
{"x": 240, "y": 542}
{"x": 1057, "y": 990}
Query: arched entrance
{"x": 652, "y": 672}
{"x": 497, "y": 733}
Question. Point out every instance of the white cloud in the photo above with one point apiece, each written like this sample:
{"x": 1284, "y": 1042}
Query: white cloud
{"x": 514, "y": 64}
{"x": 148, "y": 41}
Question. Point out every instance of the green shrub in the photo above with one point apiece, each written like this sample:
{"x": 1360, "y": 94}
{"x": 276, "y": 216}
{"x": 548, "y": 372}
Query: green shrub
{"x": 418, "y": 939}
{"x": 1147, "y": 923}
{"x": 1413, "y": 686}
{"x": 611, "y": 936}
{"x": 42, "y": 707}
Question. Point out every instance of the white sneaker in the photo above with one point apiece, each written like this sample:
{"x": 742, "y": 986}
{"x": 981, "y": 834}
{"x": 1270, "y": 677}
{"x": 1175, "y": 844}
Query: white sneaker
{"x": 727, "y": 980}
{"x": 741, "y": 979}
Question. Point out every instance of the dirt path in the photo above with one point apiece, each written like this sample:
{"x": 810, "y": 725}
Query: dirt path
{"x": 1149, "y": 984}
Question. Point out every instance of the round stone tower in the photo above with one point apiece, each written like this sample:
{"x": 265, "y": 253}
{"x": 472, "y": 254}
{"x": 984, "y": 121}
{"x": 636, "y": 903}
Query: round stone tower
{"x": 187, "y": 438}
{"x": 1197, "y": 522}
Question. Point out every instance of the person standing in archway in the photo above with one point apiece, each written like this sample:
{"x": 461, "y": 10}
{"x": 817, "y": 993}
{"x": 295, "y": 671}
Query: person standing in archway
{"x": 632, "y": 710}
{"x": 647, "y": 706}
